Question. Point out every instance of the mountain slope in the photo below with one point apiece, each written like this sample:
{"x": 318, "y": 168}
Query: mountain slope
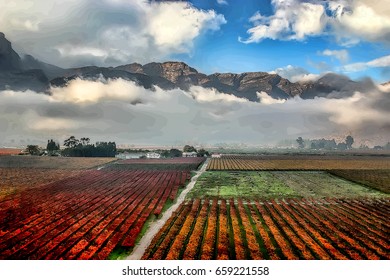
{"x": 14, "y": 76}
{"x": 30, "y": 73}
{"x": 9, "y": 59}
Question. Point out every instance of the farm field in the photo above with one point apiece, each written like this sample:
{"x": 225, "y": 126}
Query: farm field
{"x": 275, "y": 229}
{"x": 190, "y": 163}
{"x": 8, "y": 151}
{"x": 278, "y": 184}
{"x": 303, "y": 162}
{"x": 52, "y": 162}
{"x": 87, "y": 216}
{"x": 99, "y": 208}
{"x": 376, "y": 179}
{"x": 16, "y": 180}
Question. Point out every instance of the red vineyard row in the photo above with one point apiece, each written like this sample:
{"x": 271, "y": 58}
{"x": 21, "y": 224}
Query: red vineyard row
{"x": 289, "y": 229}
{"x": 183, "y": 164}
{"x": 177, "y": 160}
{"x": 86, "y": 216}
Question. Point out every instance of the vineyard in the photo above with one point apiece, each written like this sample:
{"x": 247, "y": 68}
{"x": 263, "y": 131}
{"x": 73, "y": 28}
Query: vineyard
{"x": 86, "y": 216}
{"x": 16, "y": 180}
{"x": 275, "y": 229}
{"x": 376, "y": 179}
{"x": 177, "y": 160}
{"x": 184, "y": 164}
{"x": 52, "y": 162}
{"x": 297, "y": 163}
{"x": 244, "y": 207}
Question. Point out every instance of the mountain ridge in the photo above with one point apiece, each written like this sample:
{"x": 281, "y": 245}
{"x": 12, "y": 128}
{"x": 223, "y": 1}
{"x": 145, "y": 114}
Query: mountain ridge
{"x": 29, "y": 73}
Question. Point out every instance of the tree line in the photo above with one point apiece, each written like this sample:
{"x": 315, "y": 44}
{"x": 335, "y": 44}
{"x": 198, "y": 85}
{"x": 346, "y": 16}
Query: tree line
{"x": 83, "y": 148}
{"x": 76, "y": 148}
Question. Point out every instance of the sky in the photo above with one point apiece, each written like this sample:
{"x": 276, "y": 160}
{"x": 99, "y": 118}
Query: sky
{"x": 299, "y": 40}
{"x": 290, "y": 37}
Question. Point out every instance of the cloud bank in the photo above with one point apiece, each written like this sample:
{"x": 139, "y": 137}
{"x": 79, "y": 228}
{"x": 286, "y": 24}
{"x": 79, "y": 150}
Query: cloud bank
{"x": 381, "y": 62}
{"x": 121, "y": 111}
{"x": 348, "y": 21}
{"x": 74, "y": 33}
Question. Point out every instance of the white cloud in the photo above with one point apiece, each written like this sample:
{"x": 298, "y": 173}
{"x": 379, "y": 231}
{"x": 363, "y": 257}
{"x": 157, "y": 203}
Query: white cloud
{"x": 295, "y": 74}
{"x": 356, "y": 110}
{"x": 174, "y": 26}
{"x": 341, "y": 55}
{"x": 383, "y": 61}
{"x": 265, "y": 99}
{"x": 84, "y": 91}
{"x": 293, "y": 20}
{"x": 348, "y": 20}
{"x": 118, "y": 110}
{"x": 222, "y": 2}
{"x": 362, "y": 19}
{"x": 107, "y": 32}
{"x": 203, "y": 95}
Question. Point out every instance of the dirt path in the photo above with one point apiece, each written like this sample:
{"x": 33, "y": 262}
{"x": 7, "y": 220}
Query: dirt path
{"x": 154, "y": 228}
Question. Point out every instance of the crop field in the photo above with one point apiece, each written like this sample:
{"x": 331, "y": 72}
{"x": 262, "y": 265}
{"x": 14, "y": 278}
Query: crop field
{"x": 278, "y": 184}
{"x": 16, "y": 180}
{"x": 52, "y": 162}
{"x": 7, "y": 151}
{"x": 243, "y": 207}
{"x": 177, "y": 160}
{"x": 88, "y": 216}
{"x": 275, "y": 229}
{"x": 190, "y": 163}
{"x": 247, "y": 163}
{"x": 376, "y": 179}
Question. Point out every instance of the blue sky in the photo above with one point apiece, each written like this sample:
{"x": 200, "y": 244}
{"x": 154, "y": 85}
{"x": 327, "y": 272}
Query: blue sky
{"x": 221, "y": 51}
{"x": 300, "y": 39}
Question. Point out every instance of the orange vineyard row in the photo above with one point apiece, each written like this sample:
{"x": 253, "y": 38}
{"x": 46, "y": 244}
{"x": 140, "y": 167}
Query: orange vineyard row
{"x": 275, "y": 229}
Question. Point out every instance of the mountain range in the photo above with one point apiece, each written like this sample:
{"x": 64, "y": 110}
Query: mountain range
{"x": 22, "y": 73}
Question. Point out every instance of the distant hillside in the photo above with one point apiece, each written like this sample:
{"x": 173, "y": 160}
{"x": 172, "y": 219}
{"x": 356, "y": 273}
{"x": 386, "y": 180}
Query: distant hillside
{"x": 30, "y": 73}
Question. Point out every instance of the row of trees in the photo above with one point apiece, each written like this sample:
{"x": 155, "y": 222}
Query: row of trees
{"x": 76, "y": 148}
{"x": 83, "y": 148}
{"x": 186, "y": 149}
{"x": 201, "y": 152}
{"x": 324, "y": 144}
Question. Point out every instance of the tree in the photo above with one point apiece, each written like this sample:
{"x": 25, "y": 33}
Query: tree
{"x": 33, "y": 150}
{"x": 301, "y": 143}
{"x": 52, "y": 146}
{"x": 349, "y": 141}
{"x": 85, "y": 141}
{"x": 175, "y": 153}
{"x": 342, "y": 146}
{"x": 71, "y": 142}
{"x": 189, "y": 149}
{"x": 330, "y": 145}
{"x": 203, "y": 152}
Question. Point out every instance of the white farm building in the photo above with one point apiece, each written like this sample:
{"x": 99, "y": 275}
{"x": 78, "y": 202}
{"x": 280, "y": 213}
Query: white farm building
{"x": 190, "y": 154}
{"x": 127, "y": 155}
{"x": 153, "y": 155}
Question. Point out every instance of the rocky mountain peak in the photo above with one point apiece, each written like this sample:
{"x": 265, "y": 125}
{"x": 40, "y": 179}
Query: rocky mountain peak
{"x": 171, "y": 70}
{"x": 132, "y": 68}
{"x": 9, "y": 59}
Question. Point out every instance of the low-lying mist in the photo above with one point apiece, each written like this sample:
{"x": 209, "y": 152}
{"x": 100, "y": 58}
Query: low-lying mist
{"x": 121, "y": 111}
